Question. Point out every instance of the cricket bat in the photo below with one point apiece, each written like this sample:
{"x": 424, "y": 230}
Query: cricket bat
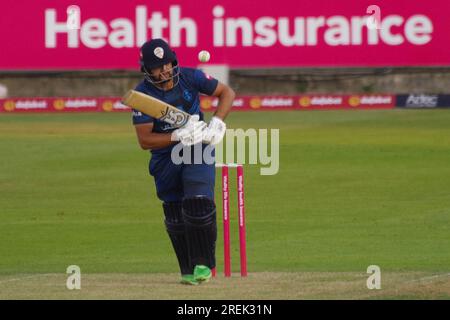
{"x": 155, "y": 108}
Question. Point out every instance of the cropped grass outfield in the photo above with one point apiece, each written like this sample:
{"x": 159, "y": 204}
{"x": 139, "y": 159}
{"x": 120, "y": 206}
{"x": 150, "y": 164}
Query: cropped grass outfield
{"x": 355, "y": 188}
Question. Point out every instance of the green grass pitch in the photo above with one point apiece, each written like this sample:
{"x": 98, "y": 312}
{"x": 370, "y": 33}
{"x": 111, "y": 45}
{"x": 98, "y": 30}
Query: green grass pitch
{"x": 355, "y": 188}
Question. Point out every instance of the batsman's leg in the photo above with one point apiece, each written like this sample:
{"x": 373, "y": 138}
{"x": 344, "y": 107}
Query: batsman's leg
{"x": 170, "y": 191}
{"x": 199, "y": 214}
{"x": 176, "y": 229}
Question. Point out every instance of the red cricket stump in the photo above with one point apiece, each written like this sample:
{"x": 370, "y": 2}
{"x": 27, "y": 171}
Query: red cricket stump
{"x": 226, "y": 222}
{"x": 241, "y": 212}
{"x": 226, "y": 218}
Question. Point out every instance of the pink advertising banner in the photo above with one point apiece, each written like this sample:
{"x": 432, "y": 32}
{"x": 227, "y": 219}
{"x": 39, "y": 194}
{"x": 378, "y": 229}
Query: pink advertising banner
{"x": 99, "y": 34}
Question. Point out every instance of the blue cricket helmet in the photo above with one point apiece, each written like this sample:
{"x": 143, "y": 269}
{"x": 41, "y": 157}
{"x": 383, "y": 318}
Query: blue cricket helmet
{"x": 156, "y": 53}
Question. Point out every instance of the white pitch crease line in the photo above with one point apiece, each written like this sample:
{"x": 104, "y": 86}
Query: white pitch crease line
{"x": 431, "y": 277}
{"x": 27, "y": 277}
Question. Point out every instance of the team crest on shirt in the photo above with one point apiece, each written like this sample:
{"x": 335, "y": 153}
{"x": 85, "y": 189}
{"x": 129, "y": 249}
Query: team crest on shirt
{"x": 187, "y": 95}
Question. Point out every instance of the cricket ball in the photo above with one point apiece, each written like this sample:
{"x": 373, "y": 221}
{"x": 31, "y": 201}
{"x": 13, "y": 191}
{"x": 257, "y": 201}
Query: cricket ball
{"x": 204, "y": 56}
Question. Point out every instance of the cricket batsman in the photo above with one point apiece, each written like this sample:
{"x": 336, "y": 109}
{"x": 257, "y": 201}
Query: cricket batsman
{"x": 186, "y": 190}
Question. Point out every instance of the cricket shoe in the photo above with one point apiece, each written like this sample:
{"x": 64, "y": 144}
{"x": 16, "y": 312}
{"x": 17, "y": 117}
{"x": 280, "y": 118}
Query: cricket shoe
{"x": 189, "y": 279}
{"x": 202, "y": 273}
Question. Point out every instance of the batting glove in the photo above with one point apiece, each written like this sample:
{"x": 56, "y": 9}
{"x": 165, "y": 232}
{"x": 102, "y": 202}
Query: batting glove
{"x": 215, "y": 131}
{"x": 191, "y": 133}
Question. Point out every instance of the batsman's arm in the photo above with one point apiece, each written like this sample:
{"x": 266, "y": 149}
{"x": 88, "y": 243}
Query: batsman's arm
{"x": 151, "y": 140}
{"x": 226, "y": 96}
